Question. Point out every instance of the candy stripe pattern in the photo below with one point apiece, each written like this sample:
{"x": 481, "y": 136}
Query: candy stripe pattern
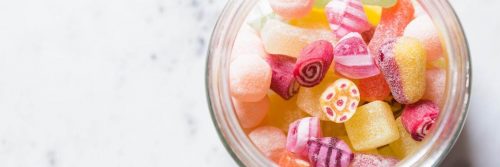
{"x": 419, "y": 117}
{"x": 282, "y": 81}
{"x": 346, "y": 16}
{"x": 300, "y": 132}
{"x": 353, "y": 59}
{"x": 313, "y": 63}
{"x": 329, "y": 152}
{"x": 340, "y": 100}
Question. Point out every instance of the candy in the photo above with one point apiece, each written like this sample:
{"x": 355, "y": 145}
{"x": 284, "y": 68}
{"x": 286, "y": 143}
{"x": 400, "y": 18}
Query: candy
{"x": 374, "y": 88}
{"x": 291, "y": 8}
{"x": 316, "y": 19}
{"x": 419, "y": 117}
{"x": 372, "y": 126}
{"x": 285, "y": 39}
{"x": 382, "y": 3}
{"x": 367, "y": 35}
{"x": 269, "y": 140}
{"x": 308, "y": 98}
{"x": 373, "y": 14}
{"x": 345, "y": 138}
{"x": 300, "y": 132}
{"x": 435, "y": 80}
{"x": 283, "y": 81}
{"x": 423, "y": 28}
{"x": 340, "y": 100}
{"x": 320, "y": 3}
{"x": 346, "y": 16}
{"x": 367, "y": 160}
{"x": 329, "y": 152}
{"x": 331, "y": 129}
{"x": 291, "y": 160}
{"x": 405, "y": 145}
{"x": 250, "y": 114}
{"x": 247, "y": 43}
{"x": 386, "y": 151}
{"x": 402, "y": 61}
{"x": 353, "y": 59}
{"x": 282, "y": 112}
{"x": 392, "y": 23}
{"x": 313, "y": 63}
{"x": 250, "y": 78}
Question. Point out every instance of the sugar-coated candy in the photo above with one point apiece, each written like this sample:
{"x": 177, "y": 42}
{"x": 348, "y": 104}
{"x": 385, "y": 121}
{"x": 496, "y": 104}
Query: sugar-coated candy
{"x": 247, "y": 43}
{"x": 367, "y": 160}
{"x": 373, "y": 14}
{"x": 283, "y": 112}
{"x": 308, "y": 98}
{"x": 291, "y": 8}
{"x": 403, "y": 63}
{"x": 353, "y": 59}
{"x": 374, "y": 88}
{"x": 250, "y": 78}
{"x": 423, "y": 28}
{"x": 405, "y": 145}
{"x": 372, "y": 126}
{"x": 316, "y": 19}
{"x": 329, "y": 152}
{"x": 345, "y": 138}
{"x": 269, "y": 140}
{"x": 346, "y": 16}
{"x": 300, "y": 132}
{"x": 382, "y": 3}
{"x": 332, "y": 129}
{"x": 313, "y": 63}
{"x": 392, "y": 23}
{"x": 291, "y": 160}
{"x": 435, "y": 80}
{"x": 283, "y": 82}
{"x": 251, "y": 114}
{"x": 419, "y": 117}
{"x": 284, "y": 39}
{"x": 340, "y": 100}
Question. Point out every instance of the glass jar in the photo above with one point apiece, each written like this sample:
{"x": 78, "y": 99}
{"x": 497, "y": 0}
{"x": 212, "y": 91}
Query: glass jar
{"x": 433, "y": 149}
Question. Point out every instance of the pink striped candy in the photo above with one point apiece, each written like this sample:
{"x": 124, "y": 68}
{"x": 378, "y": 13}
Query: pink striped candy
{"x": 300, "y": 132}
{"x": 353, "y": 59}
{"x": 346, "y": 16}
{"x": 329, "y": 152}
{"x": 418, "y": 118}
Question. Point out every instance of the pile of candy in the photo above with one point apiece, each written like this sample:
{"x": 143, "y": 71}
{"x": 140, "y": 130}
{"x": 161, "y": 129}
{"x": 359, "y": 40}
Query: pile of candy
{"x": 338, "y": 82}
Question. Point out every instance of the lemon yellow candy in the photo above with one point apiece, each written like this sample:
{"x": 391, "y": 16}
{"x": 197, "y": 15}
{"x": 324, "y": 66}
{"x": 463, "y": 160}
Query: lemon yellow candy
{"x": 405, "y": 145}
{"x": 386, "y": 151}
{"x": 316, "y": 19}
{"x": 373, "y": 13}
{"x": 348, "y": 142}
{"x": 282, "y": 112}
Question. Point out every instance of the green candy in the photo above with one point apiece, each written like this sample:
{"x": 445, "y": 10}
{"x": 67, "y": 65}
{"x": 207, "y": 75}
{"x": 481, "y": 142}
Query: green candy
{"x": 321, "y": 3}
{"x": 382, "y": 3}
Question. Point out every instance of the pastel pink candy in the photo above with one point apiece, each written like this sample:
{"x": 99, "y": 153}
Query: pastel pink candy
{"x": 291, "y": 8}
{"x": 300, "y": 132}
{"x": 368, "y": 160}
{"x": 329, "y": 152}
{"x": 418, "y": 118}
{"x": 435, "y": 85}
{"x": 346, "y": 16}
{"x": 353, "y": 59}
{"x": 250, "y": 114}
{"x": 247, "y": 43}
{"x": 268, "y": 139}
{"x": 423, "y": 29}
{"x": 250, "y": 78}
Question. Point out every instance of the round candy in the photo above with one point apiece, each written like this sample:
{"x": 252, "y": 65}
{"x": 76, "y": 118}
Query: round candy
{"x": 250, "y": 78}
{"x": 340, "y": 100}
{"x": 250, "y": 114}
{"x": 423, "y": 29}
{"x": 291, "y": 160}
{"x": 291, "y": 8}
{"x": 300, "y": 132}
{"x": 269, "y": 140}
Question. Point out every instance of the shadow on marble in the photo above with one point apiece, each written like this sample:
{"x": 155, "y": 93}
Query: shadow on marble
{"x": 460, "y": 154}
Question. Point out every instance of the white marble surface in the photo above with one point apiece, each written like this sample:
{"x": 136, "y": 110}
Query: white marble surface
{"x": 120, "y": 83}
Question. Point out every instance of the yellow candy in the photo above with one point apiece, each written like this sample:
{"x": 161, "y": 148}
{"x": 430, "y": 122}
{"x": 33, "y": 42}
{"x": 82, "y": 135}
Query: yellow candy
{"x": 308, "y": 98}
{"x": 405, "y": 145}
{"x": 282, "y": 112}
{"x": 386, "y": 151}
{"x": 346, "y": 140}
{"x": 340, "y": 100}
{"x": 372, "y": 126}
{"x": 373, "y": 13}
{"x": 316, "y": 19}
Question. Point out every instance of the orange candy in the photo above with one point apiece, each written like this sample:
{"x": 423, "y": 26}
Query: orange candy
{"x": 374, "y": 88}
{"x": 290, "y": 160}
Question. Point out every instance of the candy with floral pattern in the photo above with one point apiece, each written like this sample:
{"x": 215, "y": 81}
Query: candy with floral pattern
{"x": 340, "y": 100}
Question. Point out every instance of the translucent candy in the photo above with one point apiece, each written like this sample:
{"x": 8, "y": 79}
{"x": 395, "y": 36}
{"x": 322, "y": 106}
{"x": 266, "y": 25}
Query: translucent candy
{"x": 392, "y": 24}
{"x": 316, "y": 19}
{"x": 269, "y": 140}
{"x": 291, "y": 160}
{"x": 291, "y": 8}
{"x": 300, "y": 132}
{"x": 247, "y": 43}
{"x": 374, "y": 88}
{"x": 283, "y": 112}
{"x": 250, "y": 78}
{"x": 331, "y": 129}
{"x": 405, "y": 145}
{"x": 367, "y": 160}
{"x": 346, "y": 16}
{"x": 340, "y": 100}
{"x": 329, "y": 152}
{"x": 346, "y": 140}
{"x": 403, "y": 63}
{"x": 372, "y": 126}
{"x": 435, "y": 82}
{"x": 373, "y": 13}
{"x": 386, "y": 151}
{"x": 382, "y": 3}
{"x": 285, "y": 39}
{"x": 251, "y": 114}
{"x": 308, "y": 98}
{"x": 423, "y": 28}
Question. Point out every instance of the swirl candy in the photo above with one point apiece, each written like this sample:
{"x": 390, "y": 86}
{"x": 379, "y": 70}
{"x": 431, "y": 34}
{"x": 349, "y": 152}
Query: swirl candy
{"x": 418, "y": 118}
{"x": 340, "y": 100}
{"x": 283, "y": 81}
{"x": 329, "y": 152}
{"x": 346, "y": 16}
{"x": 300, "y": 132}
{"x": 313, "y": 63}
